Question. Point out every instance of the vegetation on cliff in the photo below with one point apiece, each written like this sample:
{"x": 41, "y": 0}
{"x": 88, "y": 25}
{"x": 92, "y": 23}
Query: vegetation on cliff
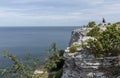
{"x": 55, "y": 61}
{"x": 73, "y": 49}
{"x": 91, "y": 24}
{"x": 95, "y": 32}
{"x": 106, "y": 43}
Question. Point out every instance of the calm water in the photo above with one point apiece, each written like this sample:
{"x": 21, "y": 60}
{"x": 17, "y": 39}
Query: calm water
{"x": 34, "y": 40}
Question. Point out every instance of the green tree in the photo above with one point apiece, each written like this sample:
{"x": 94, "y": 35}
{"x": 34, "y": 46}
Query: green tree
{"x": 94, "y": 32}
{"x": 108, "y": 42}
{"x": 18, "y": 68}
{"x": 55, "y": 61}
{"x": 109, "y": 23}
{"x": 91, "y": 24}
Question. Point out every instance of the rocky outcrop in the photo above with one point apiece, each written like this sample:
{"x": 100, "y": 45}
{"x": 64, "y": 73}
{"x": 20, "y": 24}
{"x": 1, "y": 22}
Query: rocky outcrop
{"x": 78, "y": 36}
{"x": 82, "y": 64}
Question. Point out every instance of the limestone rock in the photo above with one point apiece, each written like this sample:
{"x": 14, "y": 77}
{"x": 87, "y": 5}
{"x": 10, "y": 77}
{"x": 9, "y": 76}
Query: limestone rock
{"x": 82, "y": 64}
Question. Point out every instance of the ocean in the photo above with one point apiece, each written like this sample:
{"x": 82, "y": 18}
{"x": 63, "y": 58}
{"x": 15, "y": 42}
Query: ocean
{"x": 35, "y": 40}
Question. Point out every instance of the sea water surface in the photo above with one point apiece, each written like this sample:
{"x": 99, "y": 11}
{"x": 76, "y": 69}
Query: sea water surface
{"x": 35, "y": 40}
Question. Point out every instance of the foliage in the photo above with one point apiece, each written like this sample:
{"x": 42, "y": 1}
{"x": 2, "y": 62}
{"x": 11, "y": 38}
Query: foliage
{"x": 109, "y": 23}
{"x": 18, "y": 68}
{"x": 58, "y": 74}
{"x": 91, "y": 24}
{"x": 55, "y": 61}
{"x": 73, "y": 49}
{"x": 117, "y": 23}
{"x": 26, "y": 69}
{"x": 94, "y": 32}
{"x": 99, "y": 24}
{"x": 108, "y": 42}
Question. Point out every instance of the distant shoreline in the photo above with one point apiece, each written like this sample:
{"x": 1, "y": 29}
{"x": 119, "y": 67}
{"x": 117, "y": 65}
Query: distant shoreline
{"x": 36, "y": 26}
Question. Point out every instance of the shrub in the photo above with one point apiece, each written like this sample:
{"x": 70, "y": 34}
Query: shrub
{"x": 18, "y": 68}
{"x": 26, "y": 69}
{"x": 94, "y": 32}
{"x": 107, "y": 43}
{"x": 55, "y": 60}
{"x": 91, "y": 24}
{"x": 58, "y": 74}
{"x": 73, "y": 49}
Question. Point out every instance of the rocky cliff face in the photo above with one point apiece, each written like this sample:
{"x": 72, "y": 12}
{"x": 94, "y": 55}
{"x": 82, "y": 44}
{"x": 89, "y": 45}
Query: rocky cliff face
{"x": 78, "y": 36}
{"x": 82, "y": 64}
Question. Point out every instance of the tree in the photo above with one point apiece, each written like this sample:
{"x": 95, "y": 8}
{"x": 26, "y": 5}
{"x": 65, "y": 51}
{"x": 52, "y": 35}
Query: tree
{"x": 109, "y": 23}
{"x": 107, "y": 43}
{"x": 18, "y": 68}
{"x": 91, "y": 24}
{"x": 55, "y": 61}
{"x": 94, "y": 32}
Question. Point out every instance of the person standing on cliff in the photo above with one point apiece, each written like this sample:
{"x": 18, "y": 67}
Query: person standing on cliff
{"x": 104, "y": 22}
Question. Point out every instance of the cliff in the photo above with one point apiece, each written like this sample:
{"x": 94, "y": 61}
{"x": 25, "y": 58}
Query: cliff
{"x": 83, "y": 64}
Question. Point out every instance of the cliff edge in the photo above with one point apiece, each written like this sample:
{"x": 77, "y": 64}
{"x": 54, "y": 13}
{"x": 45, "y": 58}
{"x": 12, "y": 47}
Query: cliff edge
{"x": 83, "y": 64}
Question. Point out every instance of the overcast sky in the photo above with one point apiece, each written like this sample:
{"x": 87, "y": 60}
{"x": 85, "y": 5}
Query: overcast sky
{"x": 57, "y": 12}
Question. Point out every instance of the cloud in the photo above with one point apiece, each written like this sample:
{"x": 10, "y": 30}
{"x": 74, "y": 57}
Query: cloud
{"x": 13, "y": 16}
{"x": 57, "y": 12}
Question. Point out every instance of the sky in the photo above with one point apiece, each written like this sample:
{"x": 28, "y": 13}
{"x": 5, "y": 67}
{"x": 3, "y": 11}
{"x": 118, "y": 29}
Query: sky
{"x": 57, "y": 12}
